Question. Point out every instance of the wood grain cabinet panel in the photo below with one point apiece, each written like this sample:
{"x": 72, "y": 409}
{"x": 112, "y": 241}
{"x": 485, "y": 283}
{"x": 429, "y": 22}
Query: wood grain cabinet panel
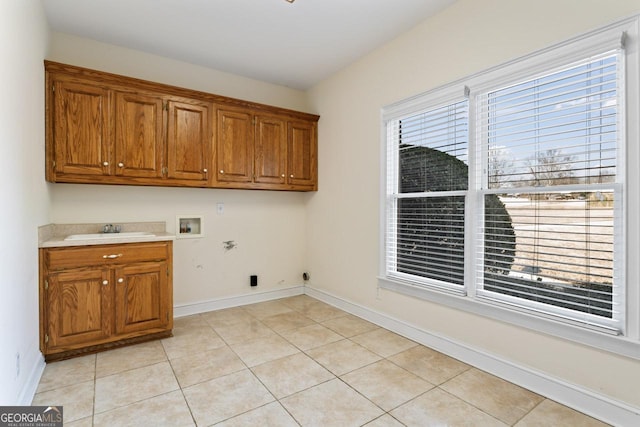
{"x": 106, "y": 133}
{"x": 79, "y": 306}
{"x": 141, "y": 295}
{"x": 302, "y": 155}
{"x": 139, "y": 135}
{"x": 81, "y": 132}
{"x": 265, "y": 152}
{"x": 270, "y": 150}
{"x": 104, "y": 255}
{"x": 89, "y": 302}
{"x": 234, "y": 146}
{"x": 188, "y": 140}
{"x": 103, "y": 128}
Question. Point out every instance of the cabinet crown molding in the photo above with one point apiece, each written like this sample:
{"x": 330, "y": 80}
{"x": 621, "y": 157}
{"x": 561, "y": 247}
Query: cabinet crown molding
{"x": 126, "y": 82}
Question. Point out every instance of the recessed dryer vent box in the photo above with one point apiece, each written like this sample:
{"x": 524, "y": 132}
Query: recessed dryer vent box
{"x": 189, "y": 226}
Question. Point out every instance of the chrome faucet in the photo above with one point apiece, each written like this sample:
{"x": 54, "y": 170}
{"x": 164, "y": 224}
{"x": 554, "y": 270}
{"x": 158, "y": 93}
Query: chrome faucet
{"x": 110, "y": 228}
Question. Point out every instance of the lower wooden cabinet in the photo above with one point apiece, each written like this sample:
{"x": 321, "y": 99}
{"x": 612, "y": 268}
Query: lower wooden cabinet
{"x": 99, "y": 297}
{"x": 77, "y": 306}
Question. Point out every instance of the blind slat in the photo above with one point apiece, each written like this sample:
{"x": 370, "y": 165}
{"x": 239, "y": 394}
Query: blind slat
{"x": 545, "y": 162}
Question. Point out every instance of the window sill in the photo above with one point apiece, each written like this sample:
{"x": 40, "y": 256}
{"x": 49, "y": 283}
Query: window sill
{"x": 617, "y": 344}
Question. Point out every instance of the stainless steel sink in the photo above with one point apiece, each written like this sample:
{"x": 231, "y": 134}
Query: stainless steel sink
{"x": 107, "y": 236}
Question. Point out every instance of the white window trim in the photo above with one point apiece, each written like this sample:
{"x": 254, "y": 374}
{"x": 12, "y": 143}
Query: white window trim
{"x": 568, "y": 55}
{"x": 628, "y": 344}
{"x": 444, "y": 98}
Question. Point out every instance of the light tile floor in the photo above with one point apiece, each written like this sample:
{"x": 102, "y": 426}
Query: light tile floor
{"x": 289, "y": 362}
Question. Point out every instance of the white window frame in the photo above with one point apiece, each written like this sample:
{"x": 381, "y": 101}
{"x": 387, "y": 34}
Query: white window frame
{"x": 628, "y": 342}
{"x": 447, "y": 97}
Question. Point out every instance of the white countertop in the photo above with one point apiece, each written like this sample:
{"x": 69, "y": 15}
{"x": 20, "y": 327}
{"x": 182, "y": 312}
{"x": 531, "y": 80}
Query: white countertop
{"x": 53, "y": 235}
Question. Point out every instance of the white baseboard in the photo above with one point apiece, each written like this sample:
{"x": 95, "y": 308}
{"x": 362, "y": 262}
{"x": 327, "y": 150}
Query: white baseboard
{"x": 586, "y": 401}
{"x": 31, "y": 386}
{"x": 235, "y": 301}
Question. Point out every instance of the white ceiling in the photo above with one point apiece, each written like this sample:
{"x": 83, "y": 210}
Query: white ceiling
{"x": 295, "y": 45}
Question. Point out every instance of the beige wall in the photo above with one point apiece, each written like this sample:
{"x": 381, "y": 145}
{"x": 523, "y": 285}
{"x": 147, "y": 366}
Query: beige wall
{"x": 88, "y": 53}
{"x": 24, "y": 36}
{"x": 334, "y": 233}
{"x": 268, "y": 227}
{"x": 343, "y": 217}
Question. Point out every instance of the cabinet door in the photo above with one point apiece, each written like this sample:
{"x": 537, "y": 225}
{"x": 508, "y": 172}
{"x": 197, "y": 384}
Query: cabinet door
{"x": 188, "y": 139}
{"x": 270, "y": 150}
{"x": 141, "y": 300}
{"x": 138, "y": 139}
{"x": 234, "y": 146}
{"x": 78, "y": 306}
{"x": 302, "y": 166}
{"x": 81, "y": 133}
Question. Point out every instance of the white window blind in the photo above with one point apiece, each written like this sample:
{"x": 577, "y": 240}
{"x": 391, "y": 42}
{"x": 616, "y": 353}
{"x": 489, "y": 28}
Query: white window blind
{"x": 517, "y": 199}
{"x": 427, "y": 185}
{"x": 551, "y": 191}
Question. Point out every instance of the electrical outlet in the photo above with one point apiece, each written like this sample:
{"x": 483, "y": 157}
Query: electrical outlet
{"x": 220, "y": 208}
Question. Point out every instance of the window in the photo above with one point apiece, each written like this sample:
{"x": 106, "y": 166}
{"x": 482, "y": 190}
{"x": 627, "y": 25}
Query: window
{"x": 548, "y": 155}
{"x": 508, "y": 189}
{"x": 427, "y": 234}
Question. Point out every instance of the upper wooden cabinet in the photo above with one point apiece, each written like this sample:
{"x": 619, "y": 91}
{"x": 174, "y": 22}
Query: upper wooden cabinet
{"x": 108, "y": 129}
{"x": 138, "y": 135}
{"x": 188, "y": 140}
{"x": 234, "y": 146}
{"x": 270, "y": 160}
{"x": 261, "y": 151}
{"x": 80, "y": 135}
{"x": 302, "y": 164}
{"x": 107, "y": 134}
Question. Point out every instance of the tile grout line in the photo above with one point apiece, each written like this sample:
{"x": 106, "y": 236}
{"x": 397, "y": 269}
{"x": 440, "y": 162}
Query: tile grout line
{"x": 335, "y": 375}
{"x": 531, "y": 410}
{"x": 95, "y": 390}
{"x": 299, "y": 310}
{"x": 385, "y": 412}
{"x": 278, "y": 400}
{"x": 179, "y": 385}
{"x": 472, "y": 405}
{"x": 248, "y": 368}
{"x": 95, "y": 378}
{"x": 301, "y": 351}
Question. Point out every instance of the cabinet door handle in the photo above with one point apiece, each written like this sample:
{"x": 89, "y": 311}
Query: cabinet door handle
{"x": 112, "y": 256}
{"x": 105, "y": 282}
{"x": 221, "y": 171}
{"x": 204, "y": 170}
{"x": 120, "y": 280}
{"x": 105, "y": 163}
{"x": 120, "y": 165}
{"x": 282, "y": 175}
{"x": 291, "y": 176}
